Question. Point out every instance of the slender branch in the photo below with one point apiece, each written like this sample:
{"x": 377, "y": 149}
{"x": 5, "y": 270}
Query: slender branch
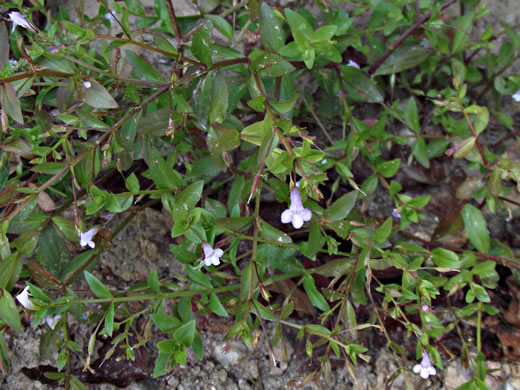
{"x": 405, "y": 35}
{"x": 173, "y": 18}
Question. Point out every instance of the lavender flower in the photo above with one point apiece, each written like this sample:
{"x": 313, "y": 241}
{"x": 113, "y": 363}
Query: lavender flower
{"x": 296, "y": 213}
{"x": 516, "y": 96}
{"x": 87, "y": 84}
{"x": 19, "y": 20}
{"x": 425, "y": 369}
{"x": 211, "y": 256}
{"x": 86, "y": 238}
{"x": 396, "y": 213}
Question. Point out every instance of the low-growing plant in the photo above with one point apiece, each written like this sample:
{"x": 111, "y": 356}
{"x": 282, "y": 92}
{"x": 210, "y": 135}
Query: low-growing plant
{"x": 268, "y": 139}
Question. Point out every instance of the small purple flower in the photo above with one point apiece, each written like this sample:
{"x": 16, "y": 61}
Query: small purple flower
{"x": 86, "y": 238}
{"x": 296, "y": 213}
{"x": 396, "y": 213}
{"x": 516, "y": 96}
{"x": 19, "y": 20}
{"x": 425, "y": 307}
{"x": 425, "y": 369}
{"x": 211, "y": 256}
{"x": 87, "y": 84}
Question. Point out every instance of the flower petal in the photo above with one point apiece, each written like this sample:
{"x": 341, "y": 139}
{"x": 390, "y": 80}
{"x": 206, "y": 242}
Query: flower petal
{"x": 306, "y": 214}
{"x": 424, "y": 373}
{"x": 287, "y": 216}
{"x": 208, "y": 250}
{"x": 297, "y": 221}
{"x": 215, "y": 260}
{"x": 417, "y": 368}
{"x": 218, "y": 252}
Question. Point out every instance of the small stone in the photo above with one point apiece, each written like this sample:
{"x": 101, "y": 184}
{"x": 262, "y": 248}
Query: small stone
{"x": 228, "y": 358}
{"x": 221, "y": 375}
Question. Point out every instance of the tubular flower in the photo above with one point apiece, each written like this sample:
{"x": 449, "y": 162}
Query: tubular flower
{"x": 211, "y": 256}
{"x": 86, "y": 238}
{"x": 19, "y": 20}
{"x": 425, "y": 369}
{"x": 296, "y": 213}
{"x": 24, "y": 300}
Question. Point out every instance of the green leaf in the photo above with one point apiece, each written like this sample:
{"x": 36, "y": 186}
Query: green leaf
{"x": 202, "y": 45}
{"x": 164, "y": 322}
{"x": 11, "y": 103}
{"x": 384, "y": 231}
{"x": 197, "y": 276}
{"x": 411, "y": 115}
{"x": 257, "y": 103}
{"x": 153, "y": 282}
{"x": 189, "y": 197}
{"x": 226, "y": 141}
{"x": 55, "y": 253}
{"x": 341, "y": 207}
{"x": 96, "y": 286}
{"x": 271, "y": 28}
{"x": 132, "y": 183}
{"x": 4, "y": 350}
{"x": 221, "y": 25}
{"x": 298, "y": 23}
{"x": 216, "y": 307}
{"x": 284, "y": 106}
{"x": 315, "y": 240}
{"x": 202, "y": 98}
{"x": 26, "y": 243}
{"x": 235, "y": 224}
{"x": 109, "y": 319}
{"x": 95, "y": 95}
{"x": 49, "y": 168}
{"x": 404, "y": 57}
{"x": 270, "y": 233}
{"x": 481, "y": 117}
{"x": 462, "y": 32}
{"x": 314, "y": 295}
{"x": 476, "y": 228}
{"x": 324, "y": 33}
{"x": 142, "y": 69}
{"x": 484, "y": 269}
{"x": 10, "y": 269}
{"x": 161, "y": 363}
{"x": 466, "y": 146}
{"x": 162, "y": 174}
{"x": 219, "y": 99}
{"x": 9, "y": 312}
{"x": 185, "y": 334}
{"x": 154, "y": 123}
{"x": 445, "y": 258}
{"x": 359, "y": 86}
{"x": 389, "y": 168}
{"x": 420, "y": 152}
{"x": 271, "y": 65}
